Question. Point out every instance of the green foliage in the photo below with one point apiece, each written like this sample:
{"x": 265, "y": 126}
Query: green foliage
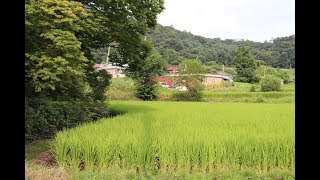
{"x": 99, "y": 82}
{"x": 213, "y": 67}
{"x": 44, "y": 119}
{"x": 170, "y": 55}
{"x": 246, "y": 65}
{"x": 124, "y": 83}
{"x": 270, "y": 83}
{"x": 230, "y": 71}
{"x": 254, "y": 88}
{"x": 175, "y": 45}
{"x": 287, "y": 75}
{"x": 191, "y": 76}
{"x": 36, "y": 147}
{"x": 144, "y": 74}
{"x": 170, "y": 137}
{"x": 122, "y": 89}
{"x": 124, "y": 24}
{"x": 54, "y": 58}
{"x": 59, "y": 38}
{"x": 187, "y": 96}
{"x": 284, "y": 76}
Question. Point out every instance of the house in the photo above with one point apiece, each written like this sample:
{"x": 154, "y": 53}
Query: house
{"x": 164, "y": 80}
{"x": 115, "y": 71}
{"x": 210, "y": 79}
{"x": 96, "y": 66}
{"x": 172, "y": 70}
{"x": 216, "y": 79}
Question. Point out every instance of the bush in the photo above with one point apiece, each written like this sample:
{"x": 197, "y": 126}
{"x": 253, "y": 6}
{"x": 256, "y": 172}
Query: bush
{"x": 254, "y": 88}
{"x": 260, "y": 99}
{"x": 147, "y": 90}
{"x": 270, "y": 83}
{"x": 187, "y": 96}
{"x": 124, "y": 84}
{"x": 43, "y": 118}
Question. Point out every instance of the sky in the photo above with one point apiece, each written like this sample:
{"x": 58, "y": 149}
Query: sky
{"x": 256, "y": 20}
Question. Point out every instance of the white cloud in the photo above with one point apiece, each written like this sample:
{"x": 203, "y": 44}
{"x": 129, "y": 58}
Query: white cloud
{"x": 256, "y": 20}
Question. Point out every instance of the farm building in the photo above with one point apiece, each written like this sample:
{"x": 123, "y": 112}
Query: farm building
{"x": 115, "y": 71}
{"x": 165, "y": 80}
{"x": 210, "y": 79}
{"x": 172, "y": 70}
{"x": 216, "y": 79}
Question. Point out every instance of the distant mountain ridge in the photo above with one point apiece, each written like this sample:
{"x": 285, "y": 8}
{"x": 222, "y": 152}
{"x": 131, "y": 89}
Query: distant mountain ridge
{"x": 174, "y": 45}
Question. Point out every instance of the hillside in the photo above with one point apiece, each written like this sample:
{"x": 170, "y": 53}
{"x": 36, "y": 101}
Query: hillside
{"x": 174, "y": 45}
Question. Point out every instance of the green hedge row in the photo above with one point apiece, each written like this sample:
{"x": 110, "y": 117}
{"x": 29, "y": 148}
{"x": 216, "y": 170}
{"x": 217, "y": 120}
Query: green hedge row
{"x": 43, "y": 118}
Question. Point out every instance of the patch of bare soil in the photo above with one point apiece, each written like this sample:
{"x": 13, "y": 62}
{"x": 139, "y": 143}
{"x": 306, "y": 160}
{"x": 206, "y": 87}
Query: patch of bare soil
{"x": 45, "y": 158}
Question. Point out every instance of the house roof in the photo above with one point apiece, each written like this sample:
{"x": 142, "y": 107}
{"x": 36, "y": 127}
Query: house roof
{"x": 172, "y": 68}
{"x": 98, "y": 66}
{"x": 217, "y": 75}
{"x": 110, "y": 66}
{"x": 207, "y": 75}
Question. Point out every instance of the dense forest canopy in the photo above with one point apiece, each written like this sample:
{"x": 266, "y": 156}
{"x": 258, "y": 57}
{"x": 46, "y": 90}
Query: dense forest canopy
{"x": 175, "y": 45}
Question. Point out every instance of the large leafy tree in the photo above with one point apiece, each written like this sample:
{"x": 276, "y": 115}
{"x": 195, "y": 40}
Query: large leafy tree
{"x": 56, "y": 62}
{"x": 150, "y": 68}
{"x": 245, "y": 64}
{"x": 125, "y": 22}
{"x": 60, "y": 35}
{"x": 191, "y": 75}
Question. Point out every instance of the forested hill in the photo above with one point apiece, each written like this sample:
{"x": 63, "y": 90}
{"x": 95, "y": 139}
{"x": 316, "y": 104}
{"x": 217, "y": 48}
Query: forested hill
{"x": 175, "y": 44}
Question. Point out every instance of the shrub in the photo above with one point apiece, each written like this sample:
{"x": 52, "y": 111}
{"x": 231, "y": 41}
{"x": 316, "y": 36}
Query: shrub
{"x": 260, "y": 99}
{"x": 187, "y": 96}
{"x": 43, "y": 118}
{"x": 254, "y": 88}
{"x": 146, "y": 89}
{"x": 124, "y": 84}
{"x": 270, "y": 83}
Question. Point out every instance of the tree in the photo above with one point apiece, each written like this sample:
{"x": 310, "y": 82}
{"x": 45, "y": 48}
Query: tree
{"x": 125, "y": 23}
{"x": 151, "y": 67}
{"x": 270, "y": 83}
{"x": 191, "y": 46}
{"x": 55, "y": 61}
{"x": 246, "y": 65}
{"x": 191, "y": 75}
{"x": 59, "y": 38}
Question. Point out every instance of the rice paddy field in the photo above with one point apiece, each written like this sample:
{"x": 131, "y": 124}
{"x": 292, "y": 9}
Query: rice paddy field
{"x": 169, "y": 139}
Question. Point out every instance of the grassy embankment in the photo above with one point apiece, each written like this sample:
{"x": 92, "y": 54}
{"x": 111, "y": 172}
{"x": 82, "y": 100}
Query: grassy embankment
{"x": 124, "y": 89}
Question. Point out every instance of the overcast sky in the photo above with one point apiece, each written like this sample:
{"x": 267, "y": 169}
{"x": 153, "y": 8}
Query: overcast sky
{"x": 256, "y": 20}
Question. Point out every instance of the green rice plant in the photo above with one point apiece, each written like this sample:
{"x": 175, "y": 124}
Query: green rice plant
{"x": 152, "y": 138}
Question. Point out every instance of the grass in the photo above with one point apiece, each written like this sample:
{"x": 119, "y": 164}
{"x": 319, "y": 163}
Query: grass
{"x": 237, "y": 87}
{"x": 39, "y": 172}
{"x": 219, "y": 174}
{"x": 161, "y": 139}
{"x": 253, "y": 97}
{"x": 123, "y": 89}
{"x": 32, "y": 149}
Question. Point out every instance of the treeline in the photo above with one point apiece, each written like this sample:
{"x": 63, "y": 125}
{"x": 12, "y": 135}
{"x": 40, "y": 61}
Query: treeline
{"x": 62, "y": 89}
{"x": 175, "y": 45}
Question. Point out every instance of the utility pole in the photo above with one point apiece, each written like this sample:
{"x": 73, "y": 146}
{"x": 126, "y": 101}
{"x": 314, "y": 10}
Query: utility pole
{"x": 108, "y": 56}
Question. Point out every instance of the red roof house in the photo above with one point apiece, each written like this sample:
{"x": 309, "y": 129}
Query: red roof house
{"x": 172, "y": 69}
{"x": 165, "y": 80}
